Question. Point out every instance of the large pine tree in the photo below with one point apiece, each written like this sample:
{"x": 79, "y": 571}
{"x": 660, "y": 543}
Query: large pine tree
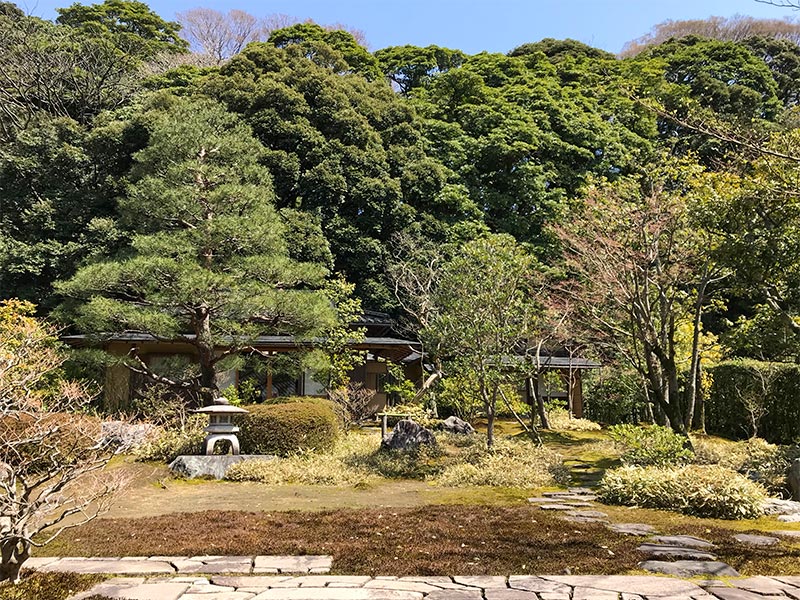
{"x": 210, "y": 256}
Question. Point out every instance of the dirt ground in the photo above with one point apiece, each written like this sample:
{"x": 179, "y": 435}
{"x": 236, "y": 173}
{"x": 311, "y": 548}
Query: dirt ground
{"x": 153, "y": 492}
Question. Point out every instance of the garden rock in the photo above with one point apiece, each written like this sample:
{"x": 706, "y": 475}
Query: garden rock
{"x": 213, "y": 466}
{"x": 455, "y": 425}
{"x": 407, "y": 436}
{"x": 124, "y": 436}
{"x": 778, "y": 506}
{"x": 794, "y": 479}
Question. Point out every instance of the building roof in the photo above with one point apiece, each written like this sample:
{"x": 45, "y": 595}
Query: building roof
{"x": 389, "y": 347}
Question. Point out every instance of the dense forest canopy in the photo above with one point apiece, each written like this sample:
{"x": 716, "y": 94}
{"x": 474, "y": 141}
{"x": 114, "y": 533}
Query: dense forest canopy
{"x": 358, "y": 148}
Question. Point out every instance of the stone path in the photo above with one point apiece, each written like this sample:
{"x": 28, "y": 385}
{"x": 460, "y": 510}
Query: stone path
{"x": 686, "y": 556}
{"x": 516, "y": 587}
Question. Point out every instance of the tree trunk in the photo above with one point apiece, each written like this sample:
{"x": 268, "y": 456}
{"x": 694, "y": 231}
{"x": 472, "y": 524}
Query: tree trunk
{"x": 694, "y": 367}
{"x": 543, "y": 420}
{"x": 204, "y": 342}
{"x": 489, "y": 403}
{"x": 14, "y": 553}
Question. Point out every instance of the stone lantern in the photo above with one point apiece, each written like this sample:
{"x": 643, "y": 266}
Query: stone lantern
{"x": 220, "y": 425}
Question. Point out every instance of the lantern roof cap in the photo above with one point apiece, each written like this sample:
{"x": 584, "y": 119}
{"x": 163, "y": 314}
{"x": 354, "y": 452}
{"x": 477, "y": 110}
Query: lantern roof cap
{"x": 219, "y": 407}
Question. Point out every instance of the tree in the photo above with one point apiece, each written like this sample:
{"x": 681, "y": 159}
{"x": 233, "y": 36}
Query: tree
{"x": 129, "y": 22}
{"x": 347, "y": 152}
{"x": 209, "y": 263}
{"x": 339, "y": 338}
{"x": 639, "y": 271}
{"x": 52, "y": 452}
{"x": 221, "y": 35}
{"x": 487, "y": 305}
{"x": 58, "y": 71}
{"x": 410, "y": 67}
{"x": 732, "y": 29}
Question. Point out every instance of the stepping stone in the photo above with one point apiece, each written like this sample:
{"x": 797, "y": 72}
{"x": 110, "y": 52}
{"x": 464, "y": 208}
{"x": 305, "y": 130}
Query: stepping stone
{"x": 579, "y": 504}
{"x": 335, "y": 594}
{"x": 764, "y": 585}
{"x": 505, "y": 594}
{"x": 580, "y": 490}
{"x": 690, "y": 568}
{"x": 685, "y": 541}
{"x": 588, "y": 514}
{"x": 531, "y": 583}
{"x": 793, "y": 518}
{"x": 642, "y": 585}
{"x": 784, "y": 532}
{"x": 676, "y": 551}
{"x": 756, "y": 540}
{"x": 639, "y": 529}
{"x": 556, "y": 507}
{"x": 481, "y": 581}
{"x": 573, "y": 519}
{"x": 108, "y": 565}
{"x": 455, "y": 595}
{"x": 727, "y": 593}
{"x": 292, "y": 564}
{"x": 144, "y": 591}
{"x": 543, "y": 500}
{"x": 583, "y": 593}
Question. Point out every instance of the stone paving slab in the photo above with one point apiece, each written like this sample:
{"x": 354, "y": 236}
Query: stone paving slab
{"x": 515, "y": 587}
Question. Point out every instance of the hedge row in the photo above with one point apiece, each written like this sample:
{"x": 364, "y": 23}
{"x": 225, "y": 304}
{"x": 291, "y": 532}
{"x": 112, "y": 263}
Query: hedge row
{"x": 288, "y": 427}
{"x": 737, "y": 383}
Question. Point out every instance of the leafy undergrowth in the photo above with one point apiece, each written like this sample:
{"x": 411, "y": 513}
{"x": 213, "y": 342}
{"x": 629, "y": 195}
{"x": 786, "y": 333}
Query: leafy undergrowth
{"x": 432, "y": 540}
{"x": 49, "y": 586}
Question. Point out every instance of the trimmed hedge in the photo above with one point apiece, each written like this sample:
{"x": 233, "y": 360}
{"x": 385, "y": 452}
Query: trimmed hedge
{"x": 287, "y": 428}
{"x": 726, "y": 414}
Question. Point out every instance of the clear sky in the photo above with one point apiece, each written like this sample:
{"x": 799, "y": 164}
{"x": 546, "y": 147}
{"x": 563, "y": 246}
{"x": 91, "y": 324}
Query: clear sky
{"x": 474, "y": 25}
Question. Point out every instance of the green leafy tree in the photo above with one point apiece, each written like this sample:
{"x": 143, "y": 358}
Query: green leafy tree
{"x": 130, "y": 22}
{"x": 347, "y": 152}
{"x": 488, "y": 302}
{"x": 209, "y": 263}
{"x": 339, "y": 338}
{"x": 410, "y": 67}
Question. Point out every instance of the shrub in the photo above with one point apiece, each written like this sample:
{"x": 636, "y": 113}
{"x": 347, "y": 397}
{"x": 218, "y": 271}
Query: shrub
{"x": 308, "y": 468}
{"x": 701, "y": 491}
{"x": 172, "y": 442}
{"x": 739, "y": 382}
{"x": 759, "y": 460}
{"x": 650, "y": 445}
{"x": 560, "y": 420}
{"x": 509, "y": 463}
{"x": 287, "y": 428}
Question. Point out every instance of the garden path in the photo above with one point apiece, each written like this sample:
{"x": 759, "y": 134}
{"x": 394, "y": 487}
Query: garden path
{"x": 523, "y": 587}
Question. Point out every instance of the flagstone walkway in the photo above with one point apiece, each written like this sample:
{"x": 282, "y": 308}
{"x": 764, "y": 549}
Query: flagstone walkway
{"x": 521, "y": 587}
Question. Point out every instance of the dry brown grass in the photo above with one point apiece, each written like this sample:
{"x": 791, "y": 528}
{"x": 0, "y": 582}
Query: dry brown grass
{"x": 431, "y": 540}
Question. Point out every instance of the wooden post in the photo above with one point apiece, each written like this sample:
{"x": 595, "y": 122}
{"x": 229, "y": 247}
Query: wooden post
{"x": 576, "y": 394}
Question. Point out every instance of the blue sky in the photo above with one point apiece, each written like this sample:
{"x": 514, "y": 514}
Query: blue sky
{"x": 474, "y": 25}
